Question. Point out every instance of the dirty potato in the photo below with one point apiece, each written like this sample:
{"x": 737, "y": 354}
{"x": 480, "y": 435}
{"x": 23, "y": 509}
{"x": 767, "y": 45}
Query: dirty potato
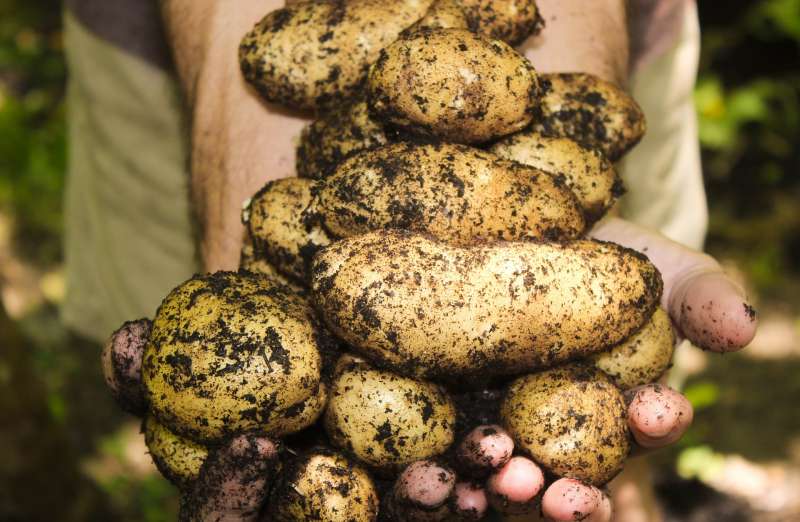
{"x": 453, "y": 84}
{"x": 314, "y": 55}
{"x": 424, "y": 308}
{"x": 388, "y": 421}
{"x": 509, "y": 20}
{"x": 442, "y": 14}
{"x": 455, "y": 192}
{"x": 571, "y": 420}
{"x": 595, "y": 113}
{"x": 177, "y": 458}
{"x": 587, "y": 172}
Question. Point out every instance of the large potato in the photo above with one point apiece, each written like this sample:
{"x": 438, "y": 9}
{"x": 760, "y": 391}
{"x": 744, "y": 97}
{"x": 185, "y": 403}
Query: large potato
{"x": 177, "y": 458}
{"x": 642, "y": 358}
{"x": 278, "y": 230}
{"x": 388, "y": 421}
{"x": 509, "y": 20}
{"x": 313, "y": 55}
{"x": 595, "y": 113}
{"x": 323, "y": 486}
{"x": 232, "y": 352}
{"x": 586, "y": 171}
{"x": 571, "y": 420}
{"x": 455, "y": 192}
{"x": 453, "y": 84}
{"x": 431, "y": 310}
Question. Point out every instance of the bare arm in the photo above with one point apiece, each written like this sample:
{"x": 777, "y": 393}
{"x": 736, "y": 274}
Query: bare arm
{"x": 237, "y": 142}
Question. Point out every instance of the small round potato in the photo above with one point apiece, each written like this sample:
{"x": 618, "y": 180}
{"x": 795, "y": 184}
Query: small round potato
{"x": 453, "y": 84}
{"x": 326, "y": 487}
{"x": 278, "y": 230}
{"x": 433, "y": 310}
{"x": 455, "y": 192}
{"x": 586, "y": 171}
{"x": 571, "y": 420}
{"x": 509, "y": 20}
{"x": 177, "y": 458}
{"x": 595, "y": 113}
{"x": 314, "y": 55}
{"x": 232, "y": 352}
{"x": 642, "y": 358}
{"x": 388, "y": 421}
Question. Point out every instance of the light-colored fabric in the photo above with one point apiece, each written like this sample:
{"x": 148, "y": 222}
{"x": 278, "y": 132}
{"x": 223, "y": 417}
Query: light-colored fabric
{"x": 129, "y": 237}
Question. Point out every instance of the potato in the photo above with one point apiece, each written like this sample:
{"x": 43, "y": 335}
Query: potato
{"x": 571, "y": 420}
{"x": 323, "y": 486}
{"x": 335, "y": 136}
{"x": 177, "y": 458}
{"x": 314, "y": 55}
{"x": 454, "y": 192}
{"x": 388, "y": 421}
{"x": 595, "y": 113}
{"x": 586, "y": 171}
{"x": 232, "y": 352}
{"x": 453, "y": 84}
{"x": 642, "y": 358}
{"x": 275, "y": 224}
{"x": 258, "y": 265}
{"x": 442, "y": 14}
{"x": 417, "y": 305}
{"x": 509, "y": 20}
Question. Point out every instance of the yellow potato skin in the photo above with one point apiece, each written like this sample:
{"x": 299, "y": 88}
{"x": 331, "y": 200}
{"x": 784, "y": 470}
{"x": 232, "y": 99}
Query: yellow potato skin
{"x": 586, "y": 172}
{"x": 387, "y": 421}
{"x": 314, "y": 55}
{"x": 454, "y": 192}
{"x": 277, "y": 227}
{"x": 453, "y": 84}
{"x": 249, "y": 261}
{"x": 569, "y": 419}
{"x": 326, "y": 487}
{"x": 177, "y": 458}
{"x": 644, "y": 357}
{"x": 427, "y": 309}
{"x": 509, "y": 20}
{"x": 595, "y": 113}
{"x": 442, "y": 14}
{"x": 232, "y": 352}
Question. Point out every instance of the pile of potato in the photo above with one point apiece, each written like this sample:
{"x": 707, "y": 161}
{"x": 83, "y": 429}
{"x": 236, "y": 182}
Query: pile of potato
{"x": 433, "y": 243}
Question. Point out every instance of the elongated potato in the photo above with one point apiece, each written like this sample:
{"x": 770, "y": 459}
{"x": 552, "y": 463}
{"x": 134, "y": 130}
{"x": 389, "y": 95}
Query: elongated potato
{"x": 177, "y": 458}
{"x": 571, "y": 420}
{"x": 595, "y": 113}
{"x": 586, "y": 171}
{"x": 455, "y": 192}
{"x": 509, "y": 20}
{"x": 314, "y": 55}
{"x": 335, "y": 136}
{"x": 642, "y": 358}
{"x": 453, "y": 84}
{"x": 424, "y": 308}
{"x": 388, "y": 421}
{"x": 278, "y": 230}
{"x": 323, "y": 486}
{"x": 232, "y": 352}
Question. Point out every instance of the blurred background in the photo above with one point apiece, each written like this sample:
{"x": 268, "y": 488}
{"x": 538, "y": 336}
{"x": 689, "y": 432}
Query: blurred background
{"x": 67, "y": 453}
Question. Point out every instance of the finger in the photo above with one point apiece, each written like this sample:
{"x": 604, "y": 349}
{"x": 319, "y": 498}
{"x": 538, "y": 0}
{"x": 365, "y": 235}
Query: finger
{"x": 422, "y": 491}
{"x": 470, "y": 501}
{"x": 569, "y": 499}
{"x": 657, "y": 415}
{"x": 484, "y": 449}
{"x": 233, "y": 482}
{"x": 122, "y": 364}
{"x": 514, "y": 488}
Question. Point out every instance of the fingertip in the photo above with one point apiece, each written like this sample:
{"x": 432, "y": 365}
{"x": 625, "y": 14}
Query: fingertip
{"x": 569, "y": 499}
{"x": 518, "y": 482}
{"x": 658, "y": 415}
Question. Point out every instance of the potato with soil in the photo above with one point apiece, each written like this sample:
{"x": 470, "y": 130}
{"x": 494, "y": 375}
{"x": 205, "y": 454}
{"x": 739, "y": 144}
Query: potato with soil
{"x": 323, "y": 486}
{"x": 595, "y": 113}
{"x": 388, "y": 421}
{"x": 454, "y": 192}
{"x": 442, "y": 14}
{"x": 453, "y": 84}
{"x": 231, "y": 352}
{"x": 510, "y": 20}
{"x": 644, "y": 357}
{"x": 314, "y": 55}
{"x": 586, "y": 172}
{"x": 431, "y": 310}
{"x": 277, "y": 227}
{"x": 571, "y": 420}
{"x": 177, "y": 458}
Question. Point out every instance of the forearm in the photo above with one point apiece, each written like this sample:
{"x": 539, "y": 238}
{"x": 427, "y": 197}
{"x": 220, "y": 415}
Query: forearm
{"x": 237, "y": 142}
{"x": 581, "y": 36}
